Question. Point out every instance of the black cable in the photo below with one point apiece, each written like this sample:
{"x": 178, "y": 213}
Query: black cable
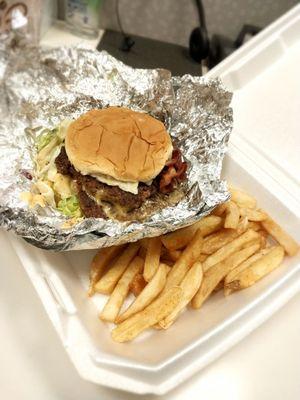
{"x": 127, "y": 42}
{"x": 117, "y": 5}
{"x": 201, "y": 13}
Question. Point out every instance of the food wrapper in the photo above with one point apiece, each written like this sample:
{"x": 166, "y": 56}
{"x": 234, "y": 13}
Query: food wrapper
{"x": 39, "y": 88}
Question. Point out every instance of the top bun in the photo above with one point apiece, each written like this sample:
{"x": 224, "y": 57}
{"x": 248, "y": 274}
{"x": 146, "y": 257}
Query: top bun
{"x": 126, "y": 145}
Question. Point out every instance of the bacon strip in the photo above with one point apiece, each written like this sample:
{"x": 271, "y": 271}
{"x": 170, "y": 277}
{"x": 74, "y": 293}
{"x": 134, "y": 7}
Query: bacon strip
{"x": 173, "y": 173}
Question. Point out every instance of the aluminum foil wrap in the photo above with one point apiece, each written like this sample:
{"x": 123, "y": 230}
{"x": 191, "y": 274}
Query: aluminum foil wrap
{"x": 39, "y": 88}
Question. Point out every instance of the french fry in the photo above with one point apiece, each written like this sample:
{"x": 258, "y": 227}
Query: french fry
{"x": 152, "y": 258}
{"x": 116, "y": 299}
{"x": 232, "y": 215}
{"x": 229, "y": 248}
{"x": 150, "y": 292}
{"x": 257, "y": 240}
{"x": 210, "y": 280}
{"x": 169, "y": 256}
{"x": 209, "y": 224}
{"x": 241, "y": 267}
{"x": 239, "y": 257}
{"x": 182, "y": 237}
{"x": 142, "y": 252}
{"x": 257, "y": 270}
{"x": 137, "y": 284}
{"x": 290, "y": 246}
{"x": 242, "y": 199}
{"x": 167, "y": 261}
{"x": 216, "y": 240}
{"x": 255, "y": 226}
{"x": 263, "y": 233}
{"x": 164, "y": 252}
{"x": 174, "y": 254}
{"x": 109, "y": 280}
{"x": 178, "y": 239}
{"x": 144, "y": 243}
{"x": 167, "y": 267}
{"x": 243, "y": 225}
{"x": 219, "y": 210}
{"x": 263, "y": 238}
{"x": 253, "y": 215}
{"x": 189, "y": 285}
{"x": 244, "y": 265}
{"x": 189, "y": 255}
{"x": 217, "y": 273}
{"x": 219, "y": 286}
{"x": 151, "y": 315}
{"x": 100, "y": 261}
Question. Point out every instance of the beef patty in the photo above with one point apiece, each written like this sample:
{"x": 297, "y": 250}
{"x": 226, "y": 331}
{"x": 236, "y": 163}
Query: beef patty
{"x": 89, "y": 206}
{"x": 90, "y": 188}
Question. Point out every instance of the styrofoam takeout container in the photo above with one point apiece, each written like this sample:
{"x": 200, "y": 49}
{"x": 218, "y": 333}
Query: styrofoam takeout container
{"x": 263, "y": 159}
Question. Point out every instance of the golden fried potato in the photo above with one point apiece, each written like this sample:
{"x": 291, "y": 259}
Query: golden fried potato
{"x": 189, "y": 285}
{"x": 219, "y": 210}
{"x": 216, "y": 274}
{"x": 189, "y": 255}
{"x": 148, "y": 294}
{"x": 232, "y": 215}
{"x": 290, "y": 246}
{"x": 257, "y": 270}
{"x": 216, "y": 240}
{"x": 242, "y": 266}
{"x": 116, "y": 299}
{"x": 182, "y": 237}
{"x": 242, "y": 199}
{"x": 152, "y": 258}
{"x": 100, "y": 261}
{"x": 253, "y": 215}
{"x": 229, "y": 249}
{"x": 137, "y": 284}
{"x": 151, "y": 315}
{"x": 109, "y": 280}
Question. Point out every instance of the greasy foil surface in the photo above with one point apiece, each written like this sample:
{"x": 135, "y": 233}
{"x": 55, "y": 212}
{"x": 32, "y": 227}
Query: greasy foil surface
{"x": 39, "y": 88}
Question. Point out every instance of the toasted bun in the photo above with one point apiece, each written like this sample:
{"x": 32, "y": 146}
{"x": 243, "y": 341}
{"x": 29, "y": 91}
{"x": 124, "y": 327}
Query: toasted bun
{"x": 126, "y": 145}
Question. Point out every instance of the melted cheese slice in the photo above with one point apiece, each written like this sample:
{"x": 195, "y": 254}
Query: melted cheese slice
{"x": 131, "y": 187}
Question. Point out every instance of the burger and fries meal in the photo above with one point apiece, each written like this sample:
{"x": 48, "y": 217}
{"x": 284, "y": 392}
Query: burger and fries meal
{"x": 119, "y": 164}
{"x": 231, "y": 249}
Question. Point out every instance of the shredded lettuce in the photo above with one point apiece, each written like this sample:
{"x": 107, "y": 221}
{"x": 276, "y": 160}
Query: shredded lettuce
{"x": 70, "y": 207}
{"x": 46, "y": 157}
{"x": 50, "y": 183}
{"x": 58, "y": 133}
{"x": 45, "y": 138}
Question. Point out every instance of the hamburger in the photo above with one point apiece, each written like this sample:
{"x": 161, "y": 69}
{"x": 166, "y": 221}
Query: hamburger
{"x": 114, "y": 161}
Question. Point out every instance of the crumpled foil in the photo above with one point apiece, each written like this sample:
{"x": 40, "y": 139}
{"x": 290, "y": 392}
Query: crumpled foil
{"x": 39, "y": 88}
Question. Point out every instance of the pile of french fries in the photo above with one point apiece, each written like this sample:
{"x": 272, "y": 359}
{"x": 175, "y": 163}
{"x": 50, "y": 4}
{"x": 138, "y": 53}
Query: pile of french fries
{"x": 229, "y": 249}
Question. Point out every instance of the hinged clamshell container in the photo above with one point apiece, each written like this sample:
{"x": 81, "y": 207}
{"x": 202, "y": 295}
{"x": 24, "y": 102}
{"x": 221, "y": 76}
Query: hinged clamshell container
{"x": 263, "y": 159}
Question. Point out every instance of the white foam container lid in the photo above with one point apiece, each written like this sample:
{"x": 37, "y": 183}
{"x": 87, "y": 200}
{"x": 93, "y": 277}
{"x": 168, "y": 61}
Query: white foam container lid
{"x": 263, "y": 158}
{"x": 265, "y": 78}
